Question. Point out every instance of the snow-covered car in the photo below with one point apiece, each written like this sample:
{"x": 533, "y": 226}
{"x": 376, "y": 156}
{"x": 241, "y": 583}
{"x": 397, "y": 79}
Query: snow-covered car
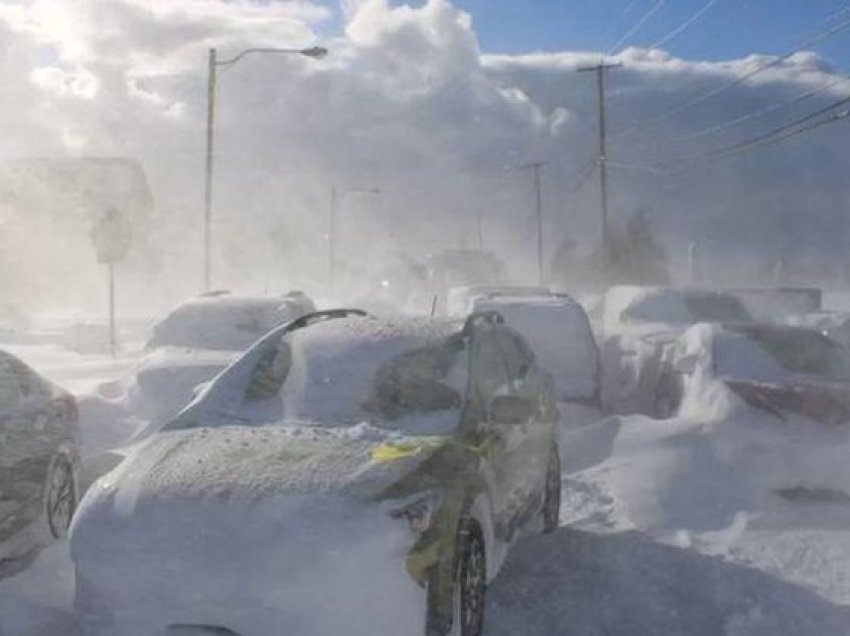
{"x": 558, "y": 330}
{"x": 349, "y": 474}
{"x": 639, "y": 326}
{"x": 196, "y": 341}
{"x": 462, "y": 268}
{"x": 777, "y": 368}
{"x": 39, "y": 459}
{"x": 460, "y": 301}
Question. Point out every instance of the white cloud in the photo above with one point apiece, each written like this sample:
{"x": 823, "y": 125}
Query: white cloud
{"x": 406, "y": 102}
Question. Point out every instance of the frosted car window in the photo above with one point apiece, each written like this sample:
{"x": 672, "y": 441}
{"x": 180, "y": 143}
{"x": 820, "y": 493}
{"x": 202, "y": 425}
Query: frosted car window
{"x": 804, "y": 352}
{"x": 416, "y": 382}
{"x": 270, "y": 373}
{"x": 489, "y": 370}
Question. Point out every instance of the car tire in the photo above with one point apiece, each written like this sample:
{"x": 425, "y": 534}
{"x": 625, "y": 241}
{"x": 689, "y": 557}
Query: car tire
{"x": 551, "y": 512}
{"x": 60, "y": 496}
{"x": 465, "y": 617}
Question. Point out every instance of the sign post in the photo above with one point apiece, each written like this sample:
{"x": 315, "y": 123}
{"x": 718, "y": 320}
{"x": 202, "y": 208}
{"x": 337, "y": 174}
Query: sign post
{"x": 111, "y": 236}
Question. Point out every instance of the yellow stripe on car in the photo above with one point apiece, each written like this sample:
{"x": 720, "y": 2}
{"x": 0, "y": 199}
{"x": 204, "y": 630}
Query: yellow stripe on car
{"x": 402, "y": 449}
{"x": 393, "y": 451}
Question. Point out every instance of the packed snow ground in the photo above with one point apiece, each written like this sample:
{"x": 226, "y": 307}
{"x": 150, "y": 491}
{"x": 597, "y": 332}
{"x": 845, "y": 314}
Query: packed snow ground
{"x": 669, "y": 527}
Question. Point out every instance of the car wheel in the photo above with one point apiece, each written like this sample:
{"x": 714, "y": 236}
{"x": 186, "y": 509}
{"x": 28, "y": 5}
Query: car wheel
{"x": 60, "y": 496}
{"x": 552, "y": 492}
{"x": 466, "y": 613}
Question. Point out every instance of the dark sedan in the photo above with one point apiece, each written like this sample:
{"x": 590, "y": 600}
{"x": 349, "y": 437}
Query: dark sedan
{"x": 39, "y": 459}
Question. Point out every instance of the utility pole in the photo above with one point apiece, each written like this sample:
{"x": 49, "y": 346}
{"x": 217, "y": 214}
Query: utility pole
{"x": 600, "y": 69}
{"x": 537, "y": 168}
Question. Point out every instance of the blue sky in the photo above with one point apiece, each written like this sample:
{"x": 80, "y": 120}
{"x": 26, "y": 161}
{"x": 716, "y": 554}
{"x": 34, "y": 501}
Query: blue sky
{"x": 727, "y": 29}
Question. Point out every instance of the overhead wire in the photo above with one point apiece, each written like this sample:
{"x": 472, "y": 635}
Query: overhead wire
{"x": 688, "y": 23}
{"x": 797, "y": 99}
{"x": 655, "y": 8}
{"x": 614, "y": 23}
{"x": 764, "y": 140}
{"x": 737, "y": 81}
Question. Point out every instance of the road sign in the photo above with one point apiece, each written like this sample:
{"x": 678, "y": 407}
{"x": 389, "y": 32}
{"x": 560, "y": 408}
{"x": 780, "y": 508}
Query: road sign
{"x": 111, "y": 236}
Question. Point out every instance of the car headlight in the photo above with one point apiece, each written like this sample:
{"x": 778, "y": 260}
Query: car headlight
{"x": 419, "y": 510}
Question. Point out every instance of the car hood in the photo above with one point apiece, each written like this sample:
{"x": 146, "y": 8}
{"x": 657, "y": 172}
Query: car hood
{"x": 251, "y": 464}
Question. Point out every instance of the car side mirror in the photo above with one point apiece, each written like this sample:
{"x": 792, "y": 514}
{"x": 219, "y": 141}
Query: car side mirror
{"x": 511, "y": 409}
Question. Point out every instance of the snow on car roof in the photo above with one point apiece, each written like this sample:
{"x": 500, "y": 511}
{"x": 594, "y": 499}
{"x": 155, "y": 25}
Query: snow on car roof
{"x": 425, "y": 328}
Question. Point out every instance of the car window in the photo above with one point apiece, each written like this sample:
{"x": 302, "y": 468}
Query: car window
{"x": 804, "y": 352}
{"x": 716, "y": 308}
{"x": 417, "y": 382}
{"x": 270, "y": 372}
{"x": 491, "y": 376}
{"x": 519, "y": 359}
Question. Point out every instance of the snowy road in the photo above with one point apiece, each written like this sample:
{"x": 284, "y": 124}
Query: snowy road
{"x": 577, "y": 582}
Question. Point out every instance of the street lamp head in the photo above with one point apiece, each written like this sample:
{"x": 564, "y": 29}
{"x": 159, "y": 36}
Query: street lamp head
{"x": 316, "y": 52}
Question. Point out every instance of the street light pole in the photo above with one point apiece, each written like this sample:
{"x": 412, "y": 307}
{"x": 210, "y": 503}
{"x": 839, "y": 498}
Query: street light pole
{"x": 332, "y": 239}
{"x": 208, "y": 176}
{"x": 316, "y": 52}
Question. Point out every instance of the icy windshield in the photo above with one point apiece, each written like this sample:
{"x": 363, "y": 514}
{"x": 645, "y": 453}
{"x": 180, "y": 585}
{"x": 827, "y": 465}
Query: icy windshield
{"x": 772, "y": 353}
{"x": 674, "y": 308}
{"x": 406, "y": 383}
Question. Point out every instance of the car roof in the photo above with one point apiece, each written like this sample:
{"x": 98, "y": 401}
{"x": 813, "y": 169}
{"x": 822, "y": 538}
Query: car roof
{"x": 375, "y": 328}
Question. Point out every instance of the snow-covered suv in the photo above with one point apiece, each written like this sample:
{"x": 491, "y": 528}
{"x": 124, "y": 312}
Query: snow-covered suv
{"x": 348, "y": 474}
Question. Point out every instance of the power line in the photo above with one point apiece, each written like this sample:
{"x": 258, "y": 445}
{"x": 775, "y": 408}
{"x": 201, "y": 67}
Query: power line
{"x": 615, "y": 21}
{"x": 737, "y": 81}
{"x": 581, "y": 177}
{"x": 639, "y": 25}
{"x": 685, "y": 25}
{"x": 797, "y": 99}
{"x": 777, "y": 135}
{"x": 788, "y": 134}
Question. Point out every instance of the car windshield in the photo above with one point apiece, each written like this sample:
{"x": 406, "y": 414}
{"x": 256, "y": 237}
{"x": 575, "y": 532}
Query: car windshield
{"x": 783, "y": 351}
{"x": 405, "y": 383}
{"x": 672, "y": 307}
